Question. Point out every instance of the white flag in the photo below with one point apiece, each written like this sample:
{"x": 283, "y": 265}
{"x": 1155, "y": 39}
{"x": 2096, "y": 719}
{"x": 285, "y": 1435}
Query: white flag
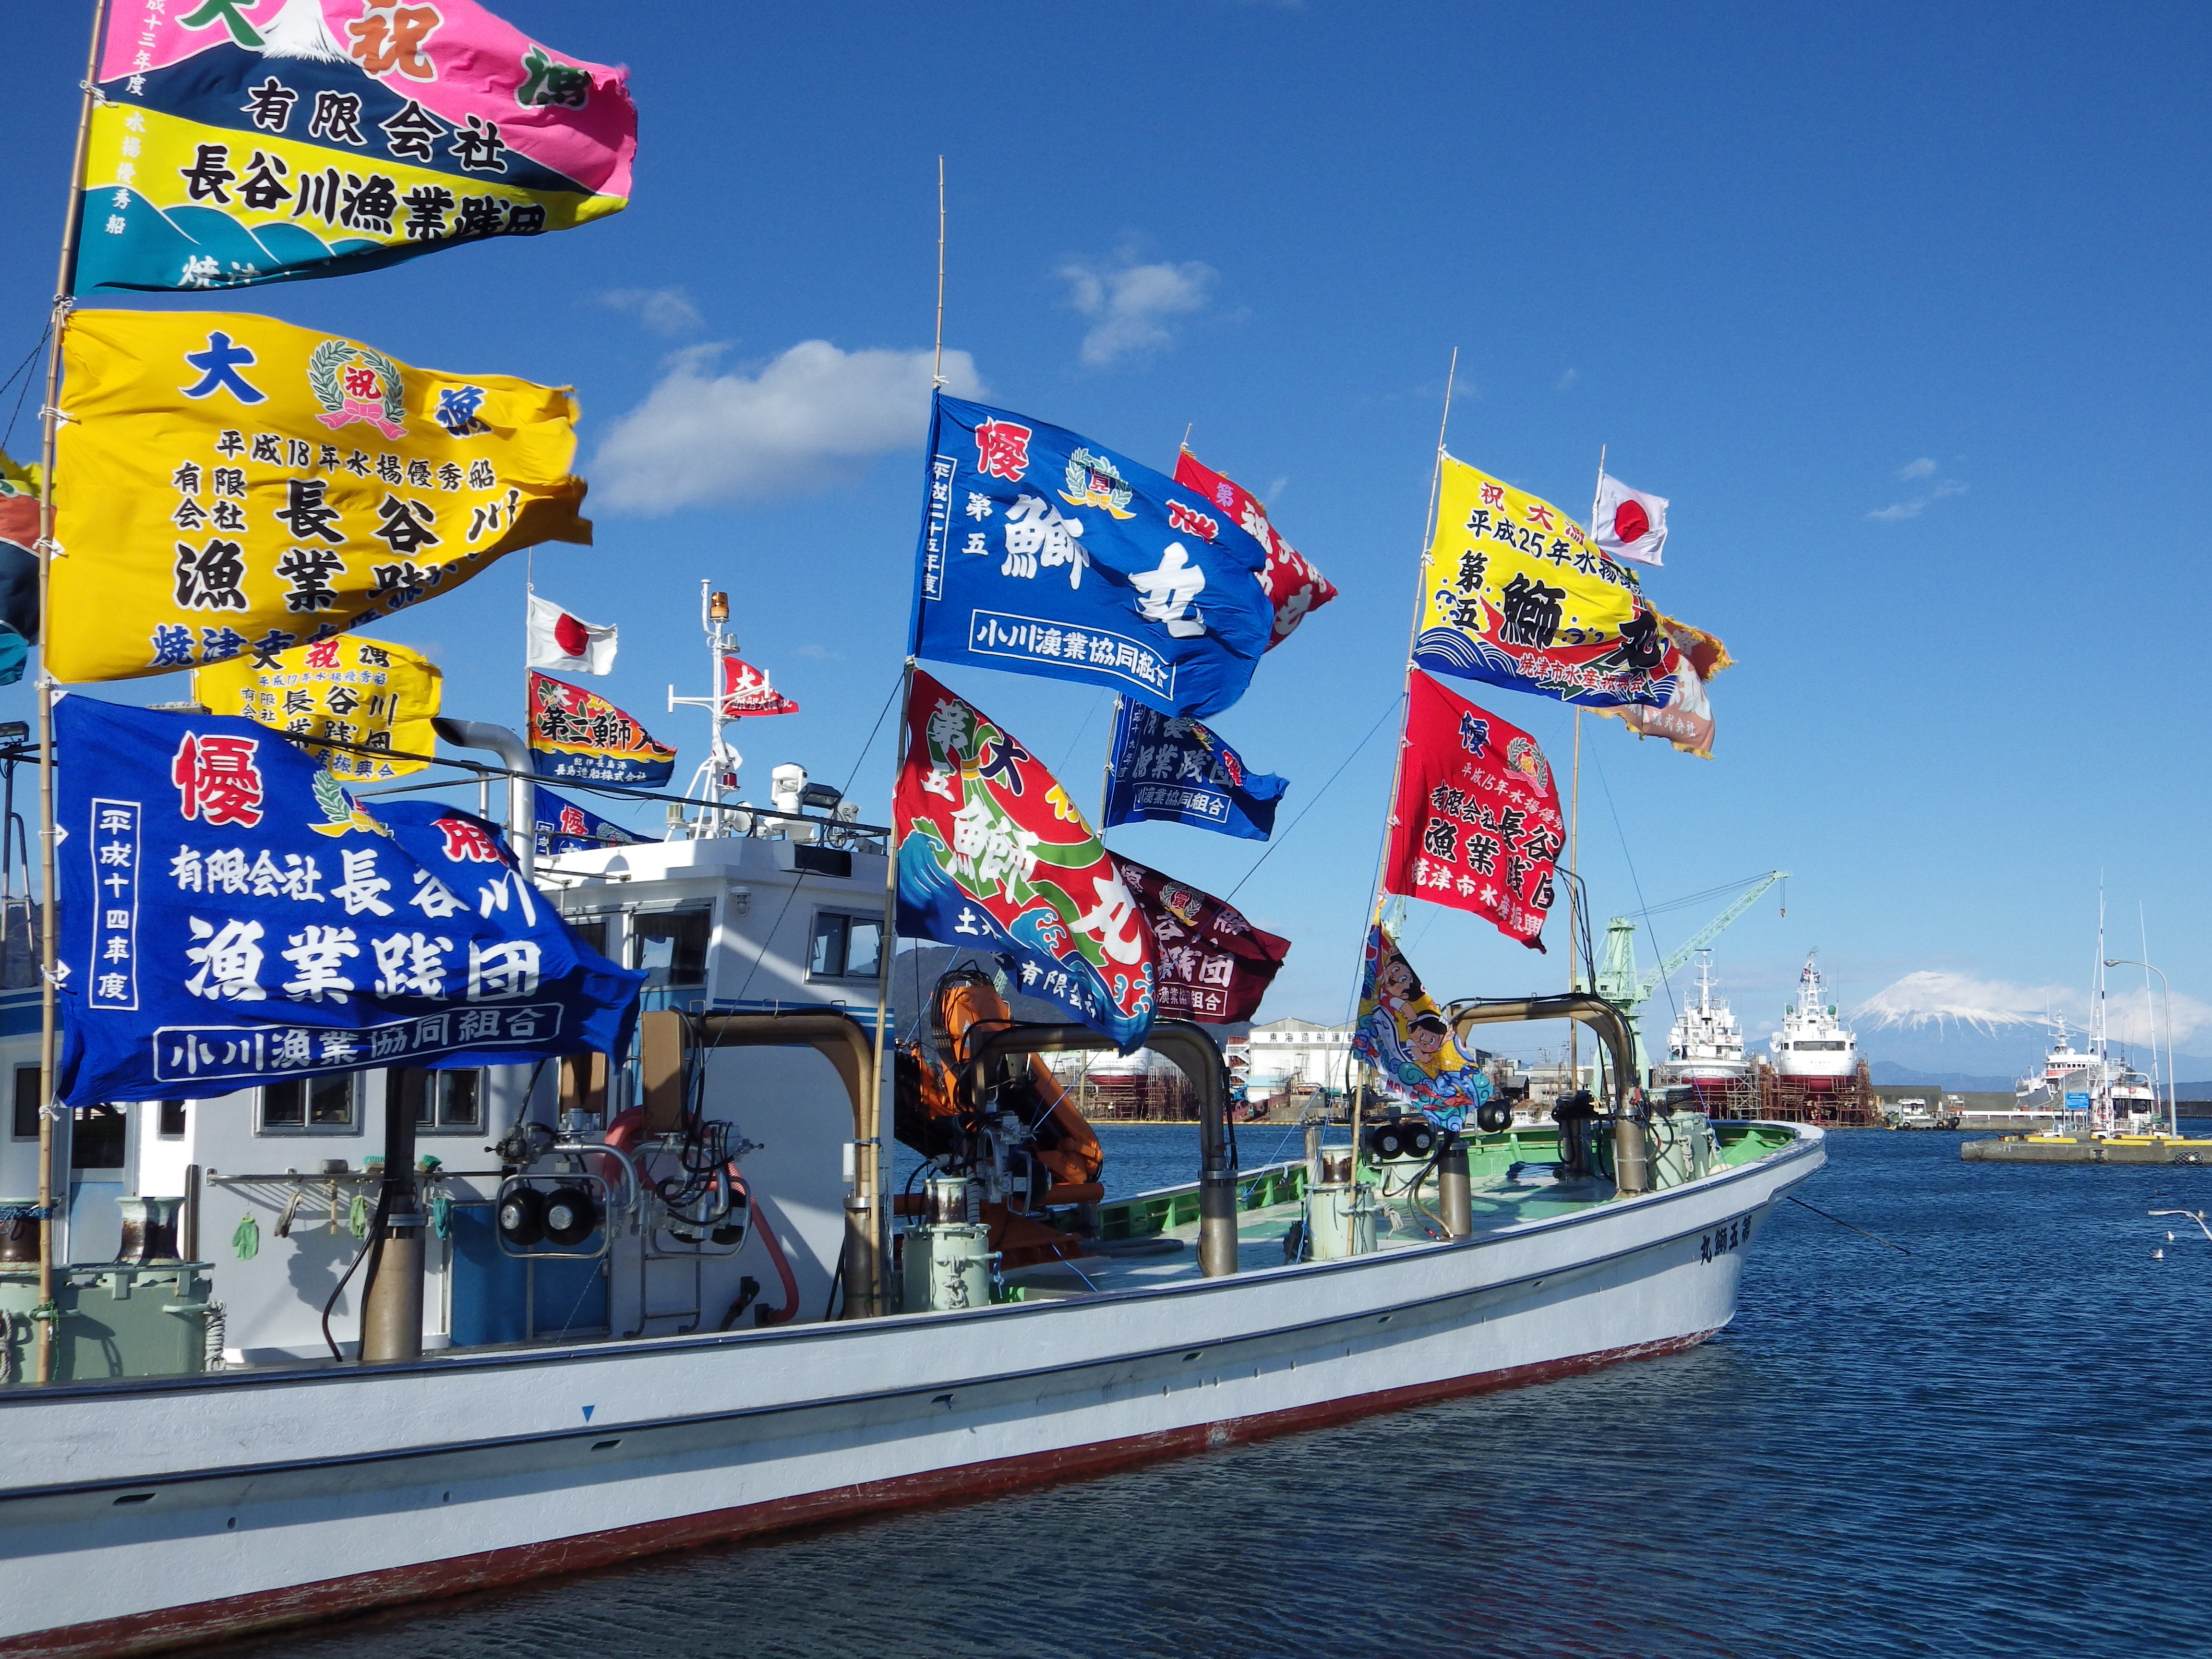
{"x": 1631, "y": 524}
{"x": 558, "y": 640}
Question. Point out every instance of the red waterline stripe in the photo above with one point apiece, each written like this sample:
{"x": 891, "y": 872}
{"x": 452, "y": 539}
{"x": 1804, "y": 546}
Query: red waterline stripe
{"x": 265, "y": 1610}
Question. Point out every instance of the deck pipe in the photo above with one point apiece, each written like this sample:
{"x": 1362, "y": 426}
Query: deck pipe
{"x": 843, "y": 1041}
{"x": 521, "y": 791}
{"x": 1193, "y": 1053}
{"x": 391, "y": 1305}
{"x": 1457, "y": 1189}
{"x": 1632, "y": 1146}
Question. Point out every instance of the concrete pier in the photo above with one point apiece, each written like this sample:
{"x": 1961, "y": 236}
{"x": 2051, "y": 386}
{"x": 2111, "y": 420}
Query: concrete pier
{"x": 2087, "y": 1149}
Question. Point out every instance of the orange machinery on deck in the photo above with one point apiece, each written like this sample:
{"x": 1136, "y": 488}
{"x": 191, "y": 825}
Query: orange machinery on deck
{"x": 931, "y": 1116}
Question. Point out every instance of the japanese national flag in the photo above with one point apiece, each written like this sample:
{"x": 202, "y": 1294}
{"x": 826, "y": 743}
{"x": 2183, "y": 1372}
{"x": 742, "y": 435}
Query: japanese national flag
{"x": 558, "y": 640}
{"x": 1630, "y": 523}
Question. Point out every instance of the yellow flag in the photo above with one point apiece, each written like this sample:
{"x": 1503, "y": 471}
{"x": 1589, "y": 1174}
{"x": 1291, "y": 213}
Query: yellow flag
{"x": 356, "y": 690}
{"x": 1516, "y": 594}
{"x": 227, "y": 483}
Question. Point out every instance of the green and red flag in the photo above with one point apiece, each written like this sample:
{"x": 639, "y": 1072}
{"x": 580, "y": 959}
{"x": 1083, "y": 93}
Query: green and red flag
{"x": 993, "y": 854}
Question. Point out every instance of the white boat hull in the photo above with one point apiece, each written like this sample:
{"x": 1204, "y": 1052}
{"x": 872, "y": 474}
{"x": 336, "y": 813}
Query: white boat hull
{"x": 139, "y": 1515}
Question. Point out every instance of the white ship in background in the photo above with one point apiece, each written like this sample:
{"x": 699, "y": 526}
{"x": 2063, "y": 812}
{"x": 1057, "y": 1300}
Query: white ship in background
{"x": 1706, "y": 1047}
{"x": 1813, "y": 1044}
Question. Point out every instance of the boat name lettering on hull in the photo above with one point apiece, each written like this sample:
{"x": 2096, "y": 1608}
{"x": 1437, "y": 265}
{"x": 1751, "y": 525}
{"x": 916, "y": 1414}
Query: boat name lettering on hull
{"x": 1721, "y": 1240}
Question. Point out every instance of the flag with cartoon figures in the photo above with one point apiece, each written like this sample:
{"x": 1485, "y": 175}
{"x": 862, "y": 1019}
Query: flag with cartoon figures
{"x": 565, "y": 827}
{"x": 231, "y": 916}
{"x": 228, "y": 483}
{"x": 1476, "y": 822}
{"x": 1295, "y": 588}
{"x": 1686, "y": 718}
{"x": 1044, "y": 553}
{"x": 580, "y": 736}
{"x": 1176, "y": 770}
{"x": 19, "y": 566}
{"x": 1215, "y": 966}
{"x": 239, "y": 142}
{"x": 993, "y": 854}
{"x": 1516, "y": 594}
{"x": 1403, "y": 1034}
{"x": 351, "y": 691}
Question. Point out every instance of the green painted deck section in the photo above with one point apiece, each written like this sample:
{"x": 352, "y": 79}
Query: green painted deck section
{"x": 1151, "y": 1239}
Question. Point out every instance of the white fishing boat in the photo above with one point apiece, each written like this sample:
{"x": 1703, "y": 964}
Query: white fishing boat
{"x": 574, "y": 1314}
{"x": 1813, "y": 1046}
{"x": 1705, "y": 1048}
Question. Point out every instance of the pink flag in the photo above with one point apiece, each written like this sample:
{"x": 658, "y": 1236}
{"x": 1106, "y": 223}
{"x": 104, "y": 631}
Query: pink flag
{"x": 1294, "y": 586}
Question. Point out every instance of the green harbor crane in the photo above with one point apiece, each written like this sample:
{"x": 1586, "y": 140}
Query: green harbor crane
{"x": 1621, "y": 984}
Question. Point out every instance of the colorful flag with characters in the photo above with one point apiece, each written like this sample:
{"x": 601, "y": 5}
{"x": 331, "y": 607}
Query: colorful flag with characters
{"x": 993, "y": 855}
{"x": 579, "y": 735}
{"x": 565, "y": 827}
{"x": 1686, "y": 720}
{"x": 1295, "y": 587}
{"x": 230, "y": 915}
{"x": 1403, "y": 1034}
{"x": 1044, "y": 553}
{"x": 19, "y": 565}
{"x": 350, "y": 690}
{"x": 237, "y": 142}
{"x": 1215, "y": 966}
{"x": 1476, "y": 822}
{"x": 1167, "y": 767}
{"x": 745, "y": 690}
{"x": 229, "y": 483}
{"x": 1516, "y": 594}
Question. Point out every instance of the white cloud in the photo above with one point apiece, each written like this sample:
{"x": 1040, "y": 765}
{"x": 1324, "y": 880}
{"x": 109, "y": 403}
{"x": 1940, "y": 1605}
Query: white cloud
{"x": 1922, "y": 468}
{"x": 1130, "y": 302}
{"x": 1568, "y": 380}
{"x": 665, "y": 311}
{"x": 1940, "y": 999}
{"x": 1919, "y": 504}
{"x": 806, "y": 420}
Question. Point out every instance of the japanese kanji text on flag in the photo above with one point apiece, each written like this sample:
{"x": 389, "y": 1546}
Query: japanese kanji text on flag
{"x": 1171, "y": 769}
{"x": 993, "y": 854}
{"x": 1514, "y": 593}
{"x": 745, "y": 690}
{"x": 352, "y": 690}
{"x": 1044, "y": 553}
{"x": 1476, "y": 823}
{"x": 1215, "y": 966}
{"x": 230, "y": 915}
{"x": 227, "y": 483}
{"x": 238, "y": 142}
{"x": 564, "y": 641}
{"x": 565, "y": 827}
{"x": 580, "y": 736}
{"x": 1295, "y": 587}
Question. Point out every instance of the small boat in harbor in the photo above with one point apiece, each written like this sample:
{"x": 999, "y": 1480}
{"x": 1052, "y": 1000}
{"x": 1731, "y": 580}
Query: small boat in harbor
{"x": 1705, "y": 1048}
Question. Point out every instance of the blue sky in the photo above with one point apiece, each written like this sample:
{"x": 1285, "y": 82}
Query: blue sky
{"x": 1902, "y": 307}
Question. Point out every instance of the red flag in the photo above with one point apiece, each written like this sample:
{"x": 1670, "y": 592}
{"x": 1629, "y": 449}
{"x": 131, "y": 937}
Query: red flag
{"x": 745, "y": 690}
{"x": 1476, "y": 823}
{"x": 992, "y": 854}
{"x": 1214, "y": 965}
{"x": 1294, "y": 586}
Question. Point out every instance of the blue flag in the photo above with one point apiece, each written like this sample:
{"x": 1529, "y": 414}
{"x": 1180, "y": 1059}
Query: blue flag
{"x": 1042, "y": 553}
{"x": 1166, "y": 767}
{"x": 229, "y": 916}
{"x": 565, "y": 827}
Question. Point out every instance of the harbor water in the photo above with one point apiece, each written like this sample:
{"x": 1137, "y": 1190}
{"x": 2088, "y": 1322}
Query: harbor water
{"x": 1998, "y": 1443}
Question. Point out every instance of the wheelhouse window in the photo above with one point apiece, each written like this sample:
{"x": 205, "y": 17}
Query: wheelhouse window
{"x": 26, "y": 1126}
{"x": 317, "y": 1106}
{"x": 172, "y": 1125}
{"x": 846, "y": 946}
{"x": 96, "y": 1136}
{"x": 672, "y": 946}
{"x": 452, "y": 1103}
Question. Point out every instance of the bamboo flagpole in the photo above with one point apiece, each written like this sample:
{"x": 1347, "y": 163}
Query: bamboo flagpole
{"x": 868, "y": 1164}
{"x": 1574, "y": 837}
{"x": 46, "y": 1316}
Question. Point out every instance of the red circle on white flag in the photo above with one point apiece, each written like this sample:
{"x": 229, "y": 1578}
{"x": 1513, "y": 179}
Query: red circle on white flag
{"x": 1630, "y": 523}
{"x": 571, "y": 636}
